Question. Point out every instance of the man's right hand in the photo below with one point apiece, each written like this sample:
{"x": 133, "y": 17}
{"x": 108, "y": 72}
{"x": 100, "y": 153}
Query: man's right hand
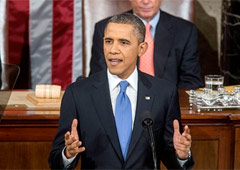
{"x": 72, "y": 143}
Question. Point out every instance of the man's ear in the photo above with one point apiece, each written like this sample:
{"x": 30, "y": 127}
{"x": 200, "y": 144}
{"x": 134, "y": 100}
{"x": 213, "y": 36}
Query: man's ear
{"x": 142, "y": 48}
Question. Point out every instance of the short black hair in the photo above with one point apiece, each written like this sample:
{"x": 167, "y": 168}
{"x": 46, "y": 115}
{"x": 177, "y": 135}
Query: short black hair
{"x": 128, "y": 18}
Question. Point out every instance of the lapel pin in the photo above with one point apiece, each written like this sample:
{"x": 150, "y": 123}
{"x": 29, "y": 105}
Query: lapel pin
{"x": 147, "y": 97}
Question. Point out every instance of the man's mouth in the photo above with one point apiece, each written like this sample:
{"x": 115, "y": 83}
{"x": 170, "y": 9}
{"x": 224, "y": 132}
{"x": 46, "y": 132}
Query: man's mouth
{"x": 114, "y": 62}
{"x": 146, "y": 9}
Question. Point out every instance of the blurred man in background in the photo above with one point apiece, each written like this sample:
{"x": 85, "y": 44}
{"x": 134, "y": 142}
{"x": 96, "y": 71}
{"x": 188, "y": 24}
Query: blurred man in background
{"x": 173, "y": 54}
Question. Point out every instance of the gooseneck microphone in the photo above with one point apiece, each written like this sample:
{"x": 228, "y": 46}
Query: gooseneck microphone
{"x": 147, "y": 122}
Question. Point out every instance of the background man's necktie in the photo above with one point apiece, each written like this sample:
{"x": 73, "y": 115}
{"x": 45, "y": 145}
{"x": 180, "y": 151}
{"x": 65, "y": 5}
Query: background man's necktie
{"x": 123, "y": 118}
{"x": 146, "y": 61}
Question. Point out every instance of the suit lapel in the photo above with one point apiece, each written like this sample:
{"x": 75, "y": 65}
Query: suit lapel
{"x": 162, "y": 44}
{"x": 101, "y": 99}
{"x": 144, "y": 103}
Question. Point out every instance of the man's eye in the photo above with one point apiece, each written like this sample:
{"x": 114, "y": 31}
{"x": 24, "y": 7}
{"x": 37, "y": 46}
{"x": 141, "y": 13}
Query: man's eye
{"x": 108, "y": 41}
{"x": 124, "y": 42}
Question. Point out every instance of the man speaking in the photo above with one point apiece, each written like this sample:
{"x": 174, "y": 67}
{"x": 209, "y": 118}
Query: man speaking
{"x": 100, "y": 116}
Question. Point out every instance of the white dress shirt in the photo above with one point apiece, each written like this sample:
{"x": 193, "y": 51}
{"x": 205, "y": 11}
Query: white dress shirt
{"x": 131, "y": 90}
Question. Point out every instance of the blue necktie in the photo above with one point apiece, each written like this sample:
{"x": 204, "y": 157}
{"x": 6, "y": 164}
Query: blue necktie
{"x": 123, "y": 118}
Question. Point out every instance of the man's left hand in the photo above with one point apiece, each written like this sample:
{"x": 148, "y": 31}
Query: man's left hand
{"x": 182, "y": 142}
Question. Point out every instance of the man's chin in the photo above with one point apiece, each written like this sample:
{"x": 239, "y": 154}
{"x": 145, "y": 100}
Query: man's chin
{"x": 146, "y": 15}
{"x": 114, "y": 71}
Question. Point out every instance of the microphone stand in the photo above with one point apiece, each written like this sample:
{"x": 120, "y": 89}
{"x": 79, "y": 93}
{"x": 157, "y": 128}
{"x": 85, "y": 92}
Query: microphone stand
{"x": 147, "y": 122}
{"x": 152, "y": 143}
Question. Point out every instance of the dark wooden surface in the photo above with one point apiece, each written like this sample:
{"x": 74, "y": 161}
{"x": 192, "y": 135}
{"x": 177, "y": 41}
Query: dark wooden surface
{"x": 26, "y": 136}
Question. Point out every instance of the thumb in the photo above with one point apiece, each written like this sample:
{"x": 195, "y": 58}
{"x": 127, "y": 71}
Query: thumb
{"x": 74, "y": 131}
{"x": 176, "y": 126}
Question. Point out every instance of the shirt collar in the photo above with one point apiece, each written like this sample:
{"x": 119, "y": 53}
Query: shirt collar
{"x": 153, "y": 22}
{"x": 115, "y": 80}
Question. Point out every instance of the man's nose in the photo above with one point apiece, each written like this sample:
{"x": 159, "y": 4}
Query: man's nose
{"x": 114, "y": 48}
{"x": 145, "y": 1}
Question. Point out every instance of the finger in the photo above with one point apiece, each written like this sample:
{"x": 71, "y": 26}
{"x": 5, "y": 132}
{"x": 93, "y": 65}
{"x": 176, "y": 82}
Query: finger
{"x": 74, "y": 145}
{"x": 67, "y": 138}
{"x": 187, "y": 136}
{"x": 74, "y": 128}
{"x": 182, "y": 149}
{"x": 186, "y": 129}
{"x": 69, "y": 153}
{"x": 183, "y": 146}
{"x": 76, "y": 151}
{"x": 81, "y": 149}
{"x": 67, "y": 135}
{"x": 182, "y": 141}
{"x": 70, "y": 140}
{"x": 176, "y": 126}
{"x": 75, "y": 148}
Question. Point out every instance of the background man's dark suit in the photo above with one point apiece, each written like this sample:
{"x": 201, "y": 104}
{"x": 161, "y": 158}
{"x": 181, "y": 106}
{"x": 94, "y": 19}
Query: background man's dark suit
{"x": 89, "y": 101}
{"x": 175, "y": 51}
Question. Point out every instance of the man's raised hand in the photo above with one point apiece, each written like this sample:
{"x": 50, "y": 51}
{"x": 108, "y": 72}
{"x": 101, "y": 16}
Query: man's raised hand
{"x": 72, "y": 143}
{"x": 182, "y": 142}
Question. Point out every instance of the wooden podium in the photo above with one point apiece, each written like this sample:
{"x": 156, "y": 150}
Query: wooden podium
{"x": 27, "y": 131}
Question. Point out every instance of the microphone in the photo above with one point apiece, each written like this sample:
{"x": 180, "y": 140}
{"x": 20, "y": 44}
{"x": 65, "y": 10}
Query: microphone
{"x": 147, "y": 122}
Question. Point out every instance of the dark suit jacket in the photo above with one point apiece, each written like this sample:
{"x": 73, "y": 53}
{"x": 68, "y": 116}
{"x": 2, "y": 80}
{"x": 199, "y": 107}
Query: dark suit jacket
{"x": 89, "y": 101}
{"x": 175, "y": 51}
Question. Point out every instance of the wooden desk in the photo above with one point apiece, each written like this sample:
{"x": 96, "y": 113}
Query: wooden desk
{"x": 216, "y": 136}
{"x": 26, "y": 135}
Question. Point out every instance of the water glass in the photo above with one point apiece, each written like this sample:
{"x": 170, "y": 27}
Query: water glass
{"x": 213, "y": 82}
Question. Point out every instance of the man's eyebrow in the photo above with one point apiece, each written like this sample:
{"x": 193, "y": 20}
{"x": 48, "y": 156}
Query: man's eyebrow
{"x": 124, "y": 40}
{"x": 107, "y": 38}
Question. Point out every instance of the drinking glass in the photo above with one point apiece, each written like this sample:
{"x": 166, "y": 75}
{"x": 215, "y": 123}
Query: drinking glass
{"x": 213, "y": 82}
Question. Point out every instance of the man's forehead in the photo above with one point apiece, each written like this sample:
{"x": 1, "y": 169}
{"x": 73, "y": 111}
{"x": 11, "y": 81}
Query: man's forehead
{"x": 119, "y": 29}
{"x": 116, "y": 27}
